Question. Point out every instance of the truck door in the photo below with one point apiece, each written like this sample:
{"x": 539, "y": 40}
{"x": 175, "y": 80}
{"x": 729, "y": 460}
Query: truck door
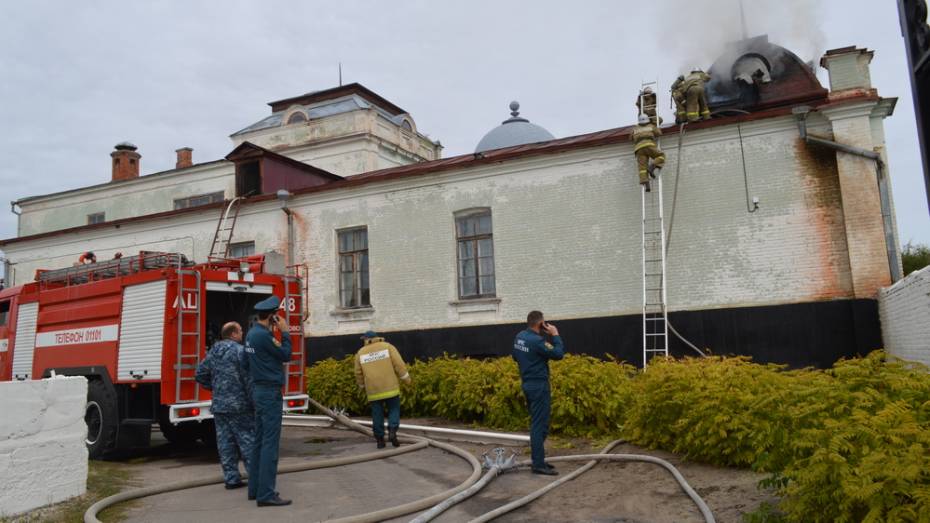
{"x": 5, "y": 354}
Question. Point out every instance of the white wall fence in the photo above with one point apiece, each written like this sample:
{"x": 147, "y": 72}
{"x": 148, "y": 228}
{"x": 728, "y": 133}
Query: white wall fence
{"x": 43, "y": 459}
{"x": 904, "y": 309}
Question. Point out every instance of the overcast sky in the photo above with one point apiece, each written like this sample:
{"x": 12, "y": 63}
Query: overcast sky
{"x": 78, "y": 77}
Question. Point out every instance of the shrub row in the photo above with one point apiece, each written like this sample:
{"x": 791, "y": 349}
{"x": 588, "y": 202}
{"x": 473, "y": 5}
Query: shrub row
{"x": 851, "y": 443}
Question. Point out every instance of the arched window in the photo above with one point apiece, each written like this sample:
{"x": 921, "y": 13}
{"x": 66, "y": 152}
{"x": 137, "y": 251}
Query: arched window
{"x": 296, "y": 118}
{"x": 406, "y": 125}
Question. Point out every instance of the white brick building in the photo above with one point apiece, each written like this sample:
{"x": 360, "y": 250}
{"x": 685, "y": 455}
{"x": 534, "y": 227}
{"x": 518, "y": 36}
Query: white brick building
{"x": 794, "y": 280}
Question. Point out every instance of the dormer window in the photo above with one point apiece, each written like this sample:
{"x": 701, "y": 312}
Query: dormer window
{"x": 296, "y": 118}
{"x": 406, "y": 125}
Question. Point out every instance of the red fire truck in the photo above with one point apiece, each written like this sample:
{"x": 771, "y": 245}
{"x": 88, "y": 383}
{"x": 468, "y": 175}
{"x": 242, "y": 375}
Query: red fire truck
{"x": 137, "y": 327}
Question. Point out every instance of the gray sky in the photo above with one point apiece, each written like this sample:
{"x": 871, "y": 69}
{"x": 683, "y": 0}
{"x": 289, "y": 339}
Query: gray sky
{"x": 78, "y": 79}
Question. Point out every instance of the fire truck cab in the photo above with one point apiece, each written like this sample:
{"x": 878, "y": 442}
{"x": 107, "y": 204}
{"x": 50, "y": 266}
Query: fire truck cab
{"x": 137, "y": 327}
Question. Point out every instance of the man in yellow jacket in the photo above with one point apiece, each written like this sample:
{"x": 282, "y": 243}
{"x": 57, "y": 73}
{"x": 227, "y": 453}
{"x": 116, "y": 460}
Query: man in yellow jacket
{"x": 378, "y": 367}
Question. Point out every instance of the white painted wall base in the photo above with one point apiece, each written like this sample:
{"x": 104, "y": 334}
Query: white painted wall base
{"x": 904, "y": 309}
{"x": 43, "y": 459}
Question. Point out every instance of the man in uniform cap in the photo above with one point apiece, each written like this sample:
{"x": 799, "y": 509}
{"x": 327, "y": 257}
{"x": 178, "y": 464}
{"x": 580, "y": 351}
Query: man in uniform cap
{"x": 378, "y": 366}
{"x": 266, "y": 356}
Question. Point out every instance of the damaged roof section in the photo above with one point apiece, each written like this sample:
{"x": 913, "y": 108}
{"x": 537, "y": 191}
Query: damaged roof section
{"x": 755, "y": 74}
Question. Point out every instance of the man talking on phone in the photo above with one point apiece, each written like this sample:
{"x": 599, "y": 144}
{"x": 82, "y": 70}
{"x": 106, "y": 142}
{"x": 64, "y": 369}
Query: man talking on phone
{"x": 532, "y": 351}
{"x": 265, "y": 358}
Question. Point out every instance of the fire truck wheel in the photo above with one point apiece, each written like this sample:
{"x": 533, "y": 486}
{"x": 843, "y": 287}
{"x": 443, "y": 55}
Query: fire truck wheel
{"x": 100, "y": 416}
{"x": 208, "y": 433}
{"x": 181, "y": 434}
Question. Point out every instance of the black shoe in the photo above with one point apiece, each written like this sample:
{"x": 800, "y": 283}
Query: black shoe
{"x": 252, "y": 498}
{"x": 646, "y": 186}
{"x": 276, "y": 501}
{"x": 232, "y": 486}
{"x": 380, "y": 441}
{"x": 549, "y": 466}
{"x": 546, "y": 471}
{"x": 392, "y": 436}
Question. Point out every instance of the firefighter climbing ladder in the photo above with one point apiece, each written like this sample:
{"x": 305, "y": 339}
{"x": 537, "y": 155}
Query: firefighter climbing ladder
{"x": 224, "y": 230}
{"x": 655, "y": 317}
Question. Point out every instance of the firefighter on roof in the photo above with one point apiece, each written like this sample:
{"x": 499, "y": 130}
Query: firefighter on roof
{"x": 266, "y": 356}
{"x": 378, "y": 367}
{"x": 696, "y": 98}
{"x": 644, "y": 138}
{"x": 225, "y": 372}
{"x": 680, "y": 99}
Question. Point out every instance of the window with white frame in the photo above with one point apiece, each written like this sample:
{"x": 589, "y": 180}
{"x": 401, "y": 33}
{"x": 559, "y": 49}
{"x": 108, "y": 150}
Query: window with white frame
{"x": 353, "y": 268}
{"x": 97, "y": 217}
{"x": 475, "y": 253}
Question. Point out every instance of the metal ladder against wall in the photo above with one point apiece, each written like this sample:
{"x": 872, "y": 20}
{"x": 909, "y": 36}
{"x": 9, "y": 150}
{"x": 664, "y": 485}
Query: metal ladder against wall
{"x": 295, "y": 368}
{"x": 224, "y": 230}
{"x": 655, "y": 314}
{"x": 189, "y": 338}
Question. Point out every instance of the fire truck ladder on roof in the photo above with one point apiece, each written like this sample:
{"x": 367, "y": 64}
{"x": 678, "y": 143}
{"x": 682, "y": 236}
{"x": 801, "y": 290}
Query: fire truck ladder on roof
{"x": 294, "y": 314}
{"x": 189, "y": 341}
{"x": 224, "y": 230}
{"x": 107, "y": 269}
{"x": 655, "y": 314}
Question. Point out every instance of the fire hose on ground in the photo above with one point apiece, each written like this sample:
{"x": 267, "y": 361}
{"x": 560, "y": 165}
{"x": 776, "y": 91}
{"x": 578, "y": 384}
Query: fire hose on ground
{"x": 435, "y": 504}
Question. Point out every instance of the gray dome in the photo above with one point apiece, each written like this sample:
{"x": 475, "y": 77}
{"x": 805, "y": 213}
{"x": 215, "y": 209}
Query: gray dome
{"x": 513, "y": 131}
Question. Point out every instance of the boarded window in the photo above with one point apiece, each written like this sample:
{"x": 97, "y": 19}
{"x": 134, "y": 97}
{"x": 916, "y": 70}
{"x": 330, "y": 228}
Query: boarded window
{"x": 353, "y": 269}
{"x": 241, "y": 249}
{"x": 475, "y": 254}
{"x": 97, "y": 217}
{"x": 198, "y": 200}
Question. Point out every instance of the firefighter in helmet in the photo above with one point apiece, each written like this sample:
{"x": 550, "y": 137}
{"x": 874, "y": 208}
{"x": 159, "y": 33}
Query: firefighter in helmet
{"x": 646, "y": 104}
{"x": 678, "y": 96}
{"x": 265, "y": 356}
{"x": 696, "y": 99}
{"x": 645, "y": 148}
{"x": 225, "y": 373}
{"x": 378, "y": 367}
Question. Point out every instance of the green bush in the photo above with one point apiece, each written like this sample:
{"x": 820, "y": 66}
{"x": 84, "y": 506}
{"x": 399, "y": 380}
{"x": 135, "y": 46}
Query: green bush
{"x": 847, "y": 444}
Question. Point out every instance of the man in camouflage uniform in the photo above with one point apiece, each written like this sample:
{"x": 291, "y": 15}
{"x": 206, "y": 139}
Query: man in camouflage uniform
{"x": 225, "y": 372}
{"x": 645, "y": 136}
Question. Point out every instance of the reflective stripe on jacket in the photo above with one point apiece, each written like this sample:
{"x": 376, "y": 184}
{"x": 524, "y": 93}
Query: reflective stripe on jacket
{"x": 378, "y": 366}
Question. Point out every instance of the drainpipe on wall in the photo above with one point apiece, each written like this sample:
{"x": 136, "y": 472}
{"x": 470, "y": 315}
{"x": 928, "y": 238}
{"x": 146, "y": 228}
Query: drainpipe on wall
{"x": 284, "y": 195}
{"x": 801, "y": 112}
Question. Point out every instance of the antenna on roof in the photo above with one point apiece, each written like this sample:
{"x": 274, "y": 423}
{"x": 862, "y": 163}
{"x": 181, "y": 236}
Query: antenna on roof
{"x": 340, "y": 73}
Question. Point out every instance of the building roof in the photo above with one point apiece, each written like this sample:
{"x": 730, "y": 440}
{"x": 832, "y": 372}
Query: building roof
{"x": 248, "y": 151}
{"x": 345, "y": 104}
{"x": 620, "y": 135}
{"x": 145, "y": 177}
{"x": 336, "y": 92}
{"x": 513, "y": 131}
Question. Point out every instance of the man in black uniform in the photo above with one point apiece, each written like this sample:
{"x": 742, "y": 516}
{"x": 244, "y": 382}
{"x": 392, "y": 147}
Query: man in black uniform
{"x": 266, "y": 356}
{"x": 532, "y": 351}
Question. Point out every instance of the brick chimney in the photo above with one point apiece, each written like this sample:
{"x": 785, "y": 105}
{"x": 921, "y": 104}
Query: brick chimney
{"x": 848, "y": 68}
{"x": 185, "y": 158}
{"x": 125, "y": 162}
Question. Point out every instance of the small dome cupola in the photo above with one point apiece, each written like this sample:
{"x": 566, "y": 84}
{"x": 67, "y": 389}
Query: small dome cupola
{"x": 515, "y": 130}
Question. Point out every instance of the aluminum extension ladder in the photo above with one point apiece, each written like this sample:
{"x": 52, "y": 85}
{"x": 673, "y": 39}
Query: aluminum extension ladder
{"x": 655, "y": 313}
{"x": 224, "y": 230}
